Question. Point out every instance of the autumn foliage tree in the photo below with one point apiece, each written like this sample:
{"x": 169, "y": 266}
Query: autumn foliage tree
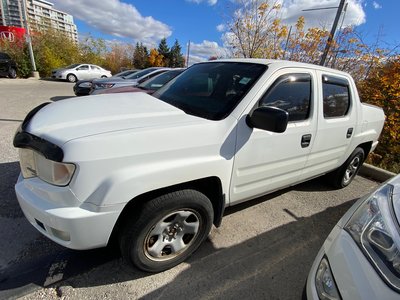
{"x": 119, "y": 57}
{"x": 155, "y": 59}
{"x": 254, "y": 29}
{"x": 382, "y": 88}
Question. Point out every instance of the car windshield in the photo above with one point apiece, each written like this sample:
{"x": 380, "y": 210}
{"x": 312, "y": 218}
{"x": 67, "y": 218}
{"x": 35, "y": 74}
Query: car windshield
{"x": 140, "y": 73}
{"x": 125, "y": 73}
{"x": 211, "y": 90}
{"x": 72, "y": 66}
{"x": 157, "y": 82}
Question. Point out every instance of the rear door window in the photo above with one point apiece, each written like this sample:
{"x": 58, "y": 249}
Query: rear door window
{"x": 336, "y": 97}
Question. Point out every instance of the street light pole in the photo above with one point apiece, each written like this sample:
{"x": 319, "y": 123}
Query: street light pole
{"x": 35, "y": 73}
{"x": 333, "y": 31}
{"x": 187, "y": 55}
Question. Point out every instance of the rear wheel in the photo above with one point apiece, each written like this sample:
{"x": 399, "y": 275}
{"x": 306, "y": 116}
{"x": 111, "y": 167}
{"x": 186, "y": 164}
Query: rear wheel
{"x": 103, "y": 76}
{"x": 343, "y": 176}
{"x": 167, "y": 230}
{"x": 71, "y": 78}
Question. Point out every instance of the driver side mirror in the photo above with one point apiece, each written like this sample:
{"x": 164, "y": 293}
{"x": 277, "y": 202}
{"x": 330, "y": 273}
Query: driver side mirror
{"x": 268, "y": 118}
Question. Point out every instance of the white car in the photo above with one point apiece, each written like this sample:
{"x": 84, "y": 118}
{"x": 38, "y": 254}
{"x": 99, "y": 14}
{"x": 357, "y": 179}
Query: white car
{"x": 360, "y": 259}
{"x": 77, "y": 72}
{"x": 157, "y": 171}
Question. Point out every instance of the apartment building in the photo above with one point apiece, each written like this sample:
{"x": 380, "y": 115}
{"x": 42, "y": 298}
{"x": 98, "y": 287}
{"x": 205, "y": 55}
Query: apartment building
{"x": 41, "y": 15}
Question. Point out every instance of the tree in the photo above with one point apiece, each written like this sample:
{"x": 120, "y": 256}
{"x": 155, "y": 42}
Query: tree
{"x": 155, "y": 58}
{"x": 140, "y": 56}
{"x": 255, "y": 29}
{"x": 120, "y": 56}
{"x": 382, "y": 88}
{"x": 176, "y": 58}
{"x": 52, "y": 48}
{"x": 164, "y": 50}
{"x": 92, "y": 51}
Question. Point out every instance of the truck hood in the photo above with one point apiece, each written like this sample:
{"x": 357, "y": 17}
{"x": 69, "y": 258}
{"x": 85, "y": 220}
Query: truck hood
{"x": 69, "y": 119}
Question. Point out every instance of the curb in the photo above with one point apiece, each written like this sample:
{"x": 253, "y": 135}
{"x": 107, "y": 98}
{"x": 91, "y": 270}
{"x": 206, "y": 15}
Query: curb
{"x": 375, "y": 173}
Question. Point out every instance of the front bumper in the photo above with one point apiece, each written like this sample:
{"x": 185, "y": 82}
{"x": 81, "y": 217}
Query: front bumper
{"x": 59, "y": 215}
{"x": 59, "y": 76}
{"x": 353, "y": 273}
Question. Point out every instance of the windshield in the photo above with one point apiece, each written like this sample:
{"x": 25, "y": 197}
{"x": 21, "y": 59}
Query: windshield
{"x": 141, "y": 73}
{"x": 72, "y": 66}
{"x": 125, "y": 73}
{"x": 157, "y": 82}
{"x": 211, "y": 90}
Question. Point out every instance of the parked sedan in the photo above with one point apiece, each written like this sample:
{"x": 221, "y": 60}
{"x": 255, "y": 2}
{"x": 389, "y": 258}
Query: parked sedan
{"x": 8, "y": 67}
{"x": 130, "y": 80}
{"x": 360, "y": 259}
{"x": 77, "y": 72}
{"x": 149, "y": 86}
{"x": 83, "y": 87}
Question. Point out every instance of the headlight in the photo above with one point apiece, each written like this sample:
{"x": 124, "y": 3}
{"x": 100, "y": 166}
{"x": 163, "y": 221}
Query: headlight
{"x": 376, "y": 231}
{"x": 325, "y": 283}
{"x": 34, "y": 164}
{"x": 105, "y": 85}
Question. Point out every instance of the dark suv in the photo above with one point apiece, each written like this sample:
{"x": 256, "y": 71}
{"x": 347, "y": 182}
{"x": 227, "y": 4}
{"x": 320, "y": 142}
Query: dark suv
{"x": 8, "y": 67}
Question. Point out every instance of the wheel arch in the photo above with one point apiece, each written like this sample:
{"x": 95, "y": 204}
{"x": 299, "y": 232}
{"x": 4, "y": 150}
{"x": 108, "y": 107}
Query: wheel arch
{"x": 211, "y": 187}
{"x": 367, "y": 146}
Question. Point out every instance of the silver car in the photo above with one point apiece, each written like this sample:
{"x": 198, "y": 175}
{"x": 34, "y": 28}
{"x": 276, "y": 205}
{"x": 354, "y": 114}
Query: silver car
{"x": 77, "y": 72}
{"x": 360, "y": 259}
{"x": 130, "y": 80}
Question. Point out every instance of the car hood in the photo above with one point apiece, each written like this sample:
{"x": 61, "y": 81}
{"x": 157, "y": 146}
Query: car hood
{"x": 124, "y": 89}
{"x": 61, "y": 70}
{"x": 74, "y": 118}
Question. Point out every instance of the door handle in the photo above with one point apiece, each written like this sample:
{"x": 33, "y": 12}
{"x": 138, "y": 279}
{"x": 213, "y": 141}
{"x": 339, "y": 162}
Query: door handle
{"x": 305, "y": 140}
{"x": 349, "y": 132}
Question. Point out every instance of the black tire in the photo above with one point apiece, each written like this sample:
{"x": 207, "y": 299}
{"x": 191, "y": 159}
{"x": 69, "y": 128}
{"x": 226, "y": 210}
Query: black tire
{"x": 344, "y": 175}
{"x": 71, "y": 78}
{"x": 167, "y": 230}
{"x": 12, "y": 73}
{"x": 104, "y": 76}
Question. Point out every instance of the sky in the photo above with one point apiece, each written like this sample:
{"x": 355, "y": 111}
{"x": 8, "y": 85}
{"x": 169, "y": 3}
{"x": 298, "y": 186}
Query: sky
{"x": 201, "y": 22}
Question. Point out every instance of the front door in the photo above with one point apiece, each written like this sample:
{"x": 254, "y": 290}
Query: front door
{"x": 267, "y": 161}
{"x": 83, "y": 72}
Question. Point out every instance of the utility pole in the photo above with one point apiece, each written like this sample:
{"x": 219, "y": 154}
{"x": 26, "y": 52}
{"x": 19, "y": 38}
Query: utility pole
{"x": 187, "y": 55}
{"x": 333, "y": 31}
{"x": 35, "y": 73}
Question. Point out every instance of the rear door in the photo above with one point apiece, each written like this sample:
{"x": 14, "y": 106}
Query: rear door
{"x": 95, "y": 72}
{"x": 337, "y": 116}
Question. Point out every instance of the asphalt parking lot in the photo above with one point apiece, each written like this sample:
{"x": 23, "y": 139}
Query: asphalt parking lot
{"x": 263, "y": 250}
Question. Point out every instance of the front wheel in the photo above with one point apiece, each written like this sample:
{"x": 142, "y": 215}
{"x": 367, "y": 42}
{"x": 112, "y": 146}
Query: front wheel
{"x": 167, "y": 230}
{"x": 12, "y": 73}
{"x": 71, "y": 78}
{"x": 343, "y": 176}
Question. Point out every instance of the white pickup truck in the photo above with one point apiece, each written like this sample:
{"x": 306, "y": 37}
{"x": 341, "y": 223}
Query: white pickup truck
{"x": 155, "y": 172}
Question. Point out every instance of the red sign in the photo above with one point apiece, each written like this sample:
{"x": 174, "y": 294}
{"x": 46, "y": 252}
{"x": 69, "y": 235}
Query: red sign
{"x": 11, "y": 33}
